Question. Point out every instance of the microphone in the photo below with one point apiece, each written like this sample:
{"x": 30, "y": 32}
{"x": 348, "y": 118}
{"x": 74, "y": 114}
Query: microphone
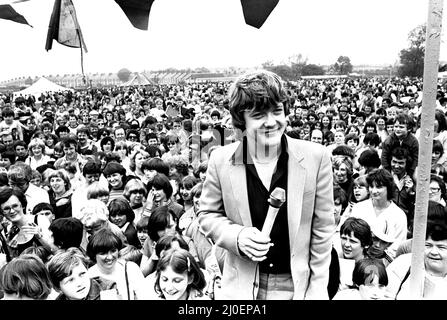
{"x": 276, "y": 200}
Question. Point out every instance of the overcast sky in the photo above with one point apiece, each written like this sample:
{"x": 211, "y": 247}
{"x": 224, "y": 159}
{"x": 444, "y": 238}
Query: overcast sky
{"x": 211, "y": 33}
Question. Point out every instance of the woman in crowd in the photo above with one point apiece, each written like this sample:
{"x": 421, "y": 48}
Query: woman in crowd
{"x": 25, "y": 230}
{"x": 122, "y": 215}
{"x": 135, "y": 192}
{"x": 435, "y": 267}
{"x": 369, "y": 280}
{"x": 437, "y": 191}
{"x": 37, "y": 156}
{"x": 103, "y": 248}
{"x": 343, "y": 173}
{"x": 136, "y": 162}
{"x": 116, "y": 176}
{"x": 162, "y": 221}
{"x": 107, "y": 144}
{"x": 380, "y": 206}
{"x": 50, "y": 141}
{"x": 179, "y": 277}
{"x": 60, "y": 193}
{"x": 161, "y": 194}
{"x": 25, "y": 278}
{"x": 122, "y": 150}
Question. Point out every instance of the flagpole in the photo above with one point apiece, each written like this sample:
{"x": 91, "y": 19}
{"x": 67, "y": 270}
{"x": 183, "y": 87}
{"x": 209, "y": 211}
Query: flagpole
{"x": 82, "y": 57}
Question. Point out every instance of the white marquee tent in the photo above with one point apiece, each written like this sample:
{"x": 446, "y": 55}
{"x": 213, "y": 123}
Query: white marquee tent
{"x": 42, "y": 85}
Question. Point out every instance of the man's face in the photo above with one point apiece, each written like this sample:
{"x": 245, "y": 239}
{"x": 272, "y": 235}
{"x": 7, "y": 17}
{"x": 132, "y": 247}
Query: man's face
{"x": 317, "y": 136}
{"x": 76, "y": 286}
{"x": 21, "y": 151}
{"x": 176, "y": 126}
{"x": 9, "y": 119}
{"x": 152, "y": 142}
{"x": 119, "y": 135}
{"x": 265, "y": 128}
{"x": 70, "y": 151}
{"x": 91, "y": 177}
{"x": 400, "y": 129}
{"x": 398, "y": 166}
{"x": 7, "y": 140}
{"x": 82, "y": 138}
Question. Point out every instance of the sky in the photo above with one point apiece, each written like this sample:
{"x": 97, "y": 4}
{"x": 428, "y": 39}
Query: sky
{"x": 212, "y": 34}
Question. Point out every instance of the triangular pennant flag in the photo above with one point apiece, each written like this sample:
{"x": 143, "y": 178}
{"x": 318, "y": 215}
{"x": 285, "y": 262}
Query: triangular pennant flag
{"x": 256, "y": 12}
{"x": 8, "y": 13}
{"x": 137, "y": 11}
{"x": 64, "y": 26}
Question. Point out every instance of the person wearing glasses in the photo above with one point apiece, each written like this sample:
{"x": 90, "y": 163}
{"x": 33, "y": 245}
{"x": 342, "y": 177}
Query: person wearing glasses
{"x": 25, "y": 229}
{"x": 437, "y": 191}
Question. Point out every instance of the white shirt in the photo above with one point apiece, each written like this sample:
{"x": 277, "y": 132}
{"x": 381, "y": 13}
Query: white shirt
{"x": 35, "y": 195}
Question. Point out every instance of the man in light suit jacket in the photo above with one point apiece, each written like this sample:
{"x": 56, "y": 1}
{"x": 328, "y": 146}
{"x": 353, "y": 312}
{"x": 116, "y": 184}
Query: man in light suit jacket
{"x": 292, "y": 262}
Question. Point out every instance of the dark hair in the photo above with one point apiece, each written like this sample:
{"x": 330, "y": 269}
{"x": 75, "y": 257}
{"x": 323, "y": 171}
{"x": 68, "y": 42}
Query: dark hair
{"x": 159, "y": 220}
{"x": 91, "y": 167}
{"x": 436, "y": 230}
{"x": 258, "y": 90}
{"x": 9, "y": 154}
{"x": 370, "y": 158}
{"x": 156, "y": 164}
{"x": 180, "y": 261}
{"x": 121, "y": 206}
{"x": 441, "y": 183}
{"x": 343, "y": 150}
{"x": 370, "y": 123}
{"x": 105, "y": 140}
{"x": 165, "y": 242}
{"x": 67, "y": 232}
{"x": 442, "y": 122}
{"x": 42, "y": 206}
{"x": 341, "y": 195}
{"x": 437, "y": 147}
{"x": 26, "y": 276}
{"x": 404, "y": 118}
{"x": 161, "y": 182}
{"x": 382, "y": 178}
{"x": 372, "y": 138}
{"x": 7, "y": 192}
{"x": 366, "y": 269}
{"x": 352, "y": 136}
{"x": 360, "y": 228}
{"x": 67, "y": 141}
{"x": 103, "y": 241}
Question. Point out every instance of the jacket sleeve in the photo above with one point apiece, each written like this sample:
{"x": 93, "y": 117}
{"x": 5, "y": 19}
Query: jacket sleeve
{"x": 386, "y": 154}
{"x": 213, "y": 219}
{"x": 414, "y": 151}
{"x": 323, "y": 230}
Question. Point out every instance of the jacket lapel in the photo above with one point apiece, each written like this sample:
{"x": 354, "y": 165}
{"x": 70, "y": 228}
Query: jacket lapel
{"x": 239, "y": 185}
{"x": 295, "y": 190}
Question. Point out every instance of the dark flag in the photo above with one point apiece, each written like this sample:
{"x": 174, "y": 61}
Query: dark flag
{"x": 137, "y": 11}
{"x": 8, "y": 13}
{"x": 64, "y": 26}
{"x": 256, "y": 12}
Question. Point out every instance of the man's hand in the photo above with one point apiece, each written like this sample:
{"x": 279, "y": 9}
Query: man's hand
{"x": 254, "y": 244}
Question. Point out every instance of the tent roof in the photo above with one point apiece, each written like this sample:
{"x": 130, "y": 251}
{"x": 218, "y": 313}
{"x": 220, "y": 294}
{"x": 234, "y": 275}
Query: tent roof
{"x": 138, "y": 80}
{"x": 40, "y": 86}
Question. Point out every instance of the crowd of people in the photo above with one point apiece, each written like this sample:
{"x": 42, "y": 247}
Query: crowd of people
{"x": 111, "y": 193}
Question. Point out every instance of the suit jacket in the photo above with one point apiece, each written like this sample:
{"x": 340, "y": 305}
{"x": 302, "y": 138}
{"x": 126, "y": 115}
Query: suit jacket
{"x": 224, "y": 212}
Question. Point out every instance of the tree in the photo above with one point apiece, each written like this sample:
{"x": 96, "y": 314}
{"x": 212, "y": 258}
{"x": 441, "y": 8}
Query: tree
{"x": 412, "y": 58}
{"x": 312, "y": 70}
{"x": 343, "y": 65}
{"x": 124, "y": 74}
